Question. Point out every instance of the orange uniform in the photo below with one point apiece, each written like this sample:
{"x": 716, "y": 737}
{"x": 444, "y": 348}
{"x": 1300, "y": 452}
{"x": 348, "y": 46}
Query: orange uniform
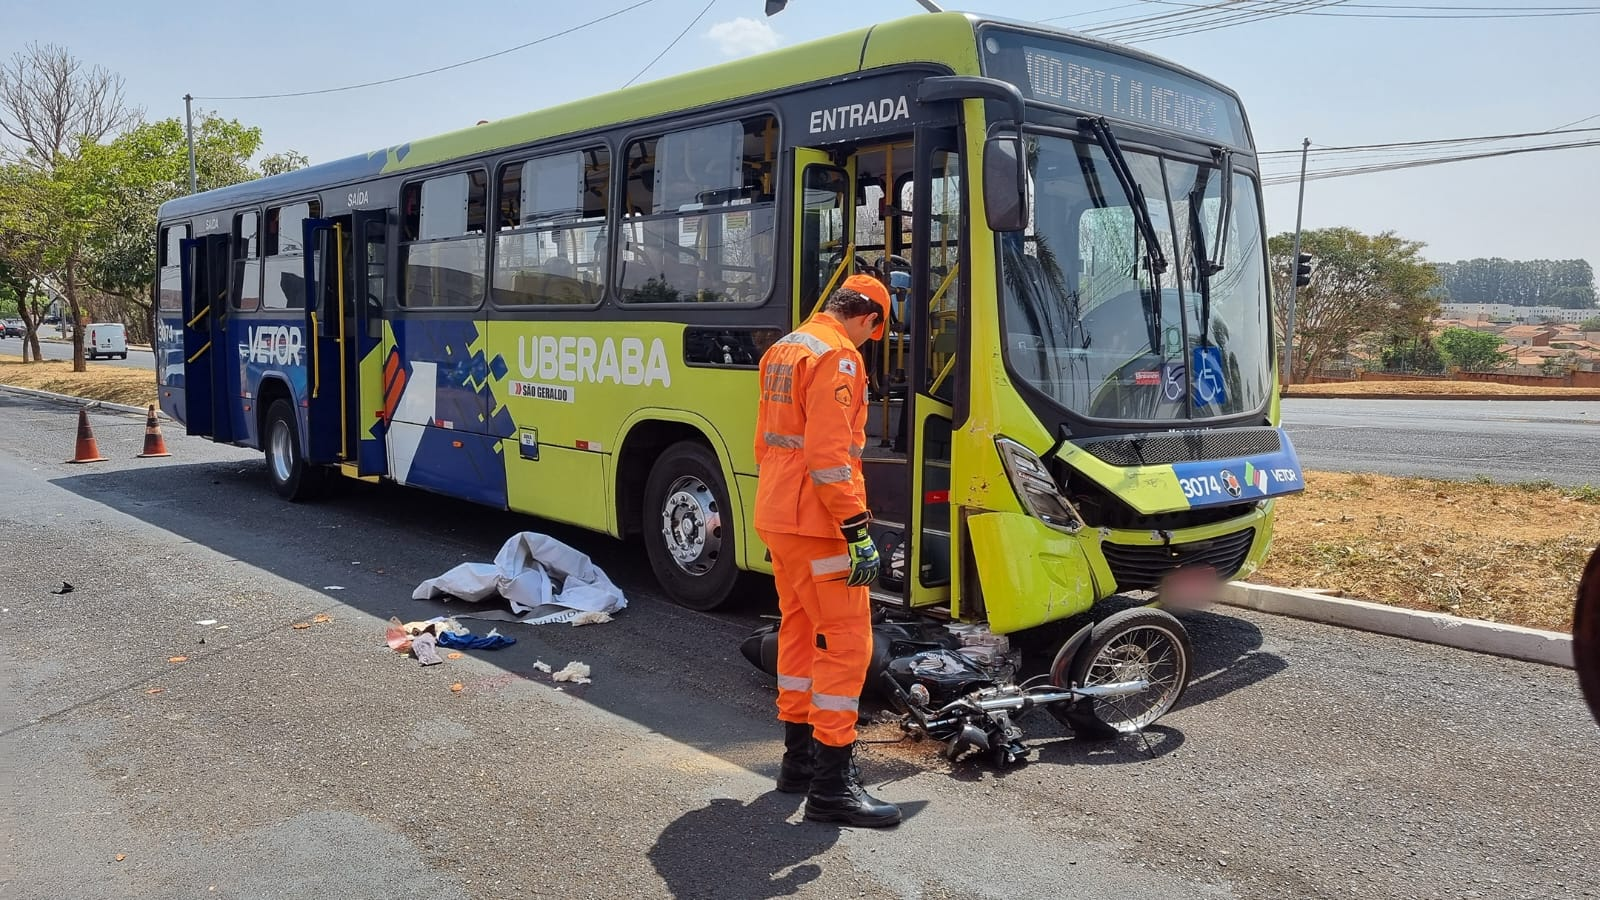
{"x": 810, "y": 433}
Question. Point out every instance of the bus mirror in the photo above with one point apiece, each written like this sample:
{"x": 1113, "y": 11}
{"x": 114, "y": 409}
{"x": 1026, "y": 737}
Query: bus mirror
{"x": 1005, "y": 189}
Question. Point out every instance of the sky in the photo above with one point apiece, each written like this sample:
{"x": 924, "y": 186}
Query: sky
{"x": 1337, "y": 80}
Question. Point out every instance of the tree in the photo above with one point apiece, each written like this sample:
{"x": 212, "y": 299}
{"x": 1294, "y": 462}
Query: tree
{"x": 52, "y": 108}
{"x": 148, "y": 166}
{"x": 1590, "y": 324}
{"x": 1567, "y": 283}
{"x": 1473, "y": 351}
{"x": 1359, "y": 283}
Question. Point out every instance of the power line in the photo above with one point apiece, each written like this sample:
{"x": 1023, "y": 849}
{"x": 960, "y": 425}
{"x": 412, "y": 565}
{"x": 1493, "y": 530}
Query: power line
{"x": 674, "y": 43}
{"x": 1438, "y": 12}
{"x": 1438, "y": 141}
{"x": 468, "y": 62}
{"x": 1389, "y": 167}
{"x": 1200, "y": 19}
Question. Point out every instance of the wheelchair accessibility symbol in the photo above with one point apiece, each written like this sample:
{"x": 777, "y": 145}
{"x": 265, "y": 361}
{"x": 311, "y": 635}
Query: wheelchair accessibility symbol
{"x": 1209, "y": 384}
{"x": 1172, "y": 382}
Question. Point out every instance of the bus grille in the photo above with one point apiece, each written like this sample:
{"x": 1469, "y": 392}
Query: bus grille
{"x": 1142, "y": 566}
{"x": 1184, "y": 446}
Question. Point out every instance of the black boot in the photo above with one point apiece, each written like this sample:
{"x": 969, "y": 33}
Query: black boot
{"x": 837, "y": 796}
{"x": 794, "y": 777}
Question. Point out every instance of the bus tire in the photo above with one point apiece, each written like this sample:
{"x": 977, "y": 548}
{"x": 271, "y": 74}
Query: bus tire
{"x": 292, "y": 477}
{"x": 688, "y": 531}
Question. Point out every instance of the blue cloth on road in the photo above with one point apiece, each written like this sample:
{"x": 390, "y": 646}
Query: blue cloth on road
{"x": 492, "y": 641}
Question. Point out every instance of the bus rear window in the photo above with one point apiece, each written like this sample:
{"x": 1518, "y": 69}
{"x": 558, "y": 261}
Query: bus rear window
{"x": 169, "y": 286}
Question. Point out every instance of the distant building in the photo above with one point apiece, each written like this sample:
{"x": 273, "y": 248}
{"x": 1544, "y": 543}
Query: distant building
{"x": 1528, "y": 336}
{"x": 1505, "y": 312}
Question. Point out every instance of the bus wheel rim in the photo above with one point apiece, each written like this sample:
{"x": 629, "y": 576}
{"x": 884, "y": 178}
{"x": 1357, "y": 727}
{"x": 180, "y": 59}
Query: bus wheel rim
{"x": 281, "y": 451}
{"x": 691, "y": 524}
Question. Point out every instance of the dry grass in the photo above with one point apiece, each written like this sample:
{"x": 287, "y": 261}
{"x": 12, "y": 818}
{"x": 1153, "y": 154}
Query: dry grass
{"x": 1357, "y": 389}
{"x": 115, "y": 384}
{"x": 1504, "y": 553}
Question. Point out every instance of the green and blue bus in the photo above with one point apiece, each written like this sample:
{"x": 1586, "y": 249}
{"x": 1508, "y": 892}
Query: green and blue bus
{"x": 561, "y": 313}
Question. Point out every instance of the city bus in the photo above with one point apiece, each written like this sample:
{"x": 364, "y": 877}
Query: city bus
{"x": 561, "y": 314}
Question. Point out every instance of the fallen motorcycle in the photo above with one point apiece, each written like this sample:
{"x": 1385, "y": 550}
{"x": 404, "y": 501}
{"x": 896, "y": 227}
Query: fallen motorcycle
{"x": 957, "y": 684}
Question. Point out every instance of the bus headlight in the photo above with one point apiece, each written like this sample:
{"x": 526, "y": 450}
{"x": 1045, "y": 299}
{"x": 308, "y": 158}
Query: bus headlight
{"x": 1035, "y": 488}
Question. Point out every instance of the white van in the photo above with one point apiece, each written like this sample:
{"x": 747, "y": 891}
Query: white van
{"x": 106, "y": 339}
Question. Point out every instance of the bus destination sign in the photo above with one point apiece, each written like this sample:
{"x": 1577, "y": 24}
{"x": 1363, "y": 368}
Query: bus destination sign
{"x": 1123, "y": 88}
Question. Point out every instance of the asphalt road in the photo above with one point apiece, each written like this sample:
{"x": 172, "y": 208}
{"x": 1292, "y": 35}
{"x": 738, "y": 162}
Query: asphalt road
{"x": 1304, "y": 761}
{"x": 137, "y": 359}
{"x": 1506, "y": 440}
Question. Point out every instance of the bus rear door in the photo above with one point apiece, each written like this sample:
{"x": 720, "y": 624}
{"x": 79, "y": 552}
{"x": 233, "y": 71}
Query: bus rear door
{"x": 205, "y": 313}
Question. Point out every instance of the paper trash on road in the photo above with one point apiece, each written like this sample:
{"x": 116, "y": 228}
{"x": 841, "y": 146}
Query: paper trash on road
{"x": 575, "y": 672}
{"x": 542, "y": 579}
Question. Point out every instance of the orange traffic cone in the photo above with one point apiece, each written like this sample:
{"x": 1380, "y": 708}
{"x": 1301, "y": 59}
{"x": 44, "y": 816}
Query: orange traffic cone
{"x": 153, "y": 443}
{"x": 87, "y": 451}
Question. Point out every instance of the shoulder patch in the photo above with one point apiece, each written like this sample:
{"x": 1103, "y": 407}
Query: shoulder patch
{"x": 847, "y": 366}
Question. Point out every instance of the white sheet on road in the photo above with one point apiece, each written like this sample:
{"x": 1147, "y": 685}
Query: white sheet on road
{"x": 542, "y": 579}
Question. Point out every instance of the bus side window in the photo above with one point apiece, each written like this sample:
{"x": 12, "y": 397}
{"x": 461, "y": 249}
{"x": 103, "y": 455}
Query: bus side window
{"x": 170, "y": 280}
{"x": 246, "y": 263}
{"x": 284, "y": 266}
{"x": 376, "y": 260}
{"x": 700, "y": 215}
{"x": 551, "y": 248}
{"x": 444, "y": 250}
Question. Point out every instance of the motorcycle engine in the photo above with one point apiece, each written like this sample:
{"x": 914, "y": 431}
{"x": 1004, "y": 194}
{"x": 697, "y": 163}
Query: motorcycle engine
{"x": 945, "y": 674}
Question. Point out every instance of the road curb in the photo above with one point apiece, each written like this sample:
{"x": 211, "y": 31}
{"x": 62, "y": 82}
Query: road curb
{"x": 1551, "y": 648}
{"x": 81, "y": 401}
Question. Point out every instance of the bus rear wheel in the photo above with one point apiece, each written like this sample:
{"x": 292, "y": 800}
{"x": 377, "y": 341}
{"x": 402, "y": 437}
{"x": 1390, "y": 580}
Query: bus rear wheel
{"x": 287, "y": 469}
{"x": 688, "y": 531}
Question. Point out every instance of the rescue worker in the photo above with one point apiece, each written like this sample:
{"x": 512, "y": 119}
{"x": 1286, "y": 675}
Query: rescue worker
{"x": 811, "y": 512}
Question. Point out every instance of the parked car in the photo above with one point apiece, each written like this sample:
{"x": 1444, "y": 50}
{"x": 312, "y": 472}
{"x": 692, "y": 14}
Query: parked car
{"x": 106, "y": 339}
{"x": 12, "y": 328}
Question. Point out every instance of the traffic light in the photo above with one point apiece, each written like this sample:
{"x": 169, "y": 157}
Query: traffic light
{"x": 1302, "y": 270}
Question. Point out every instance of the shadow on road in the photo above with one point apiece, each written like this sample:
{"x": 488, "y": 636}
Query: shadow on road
{"x": 672, "y": 670}
{"x": 747, "y": 850}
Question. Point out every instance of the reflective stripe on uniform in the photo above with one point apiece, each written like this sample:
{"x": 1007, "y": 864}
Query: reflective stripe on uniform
{"x": 856, "y": 450}
{"x": 835, "y": 703}
{"x": 830, "y": 476}
{"x": 793, "y": 683}
{"x": 829, "y": 565}
{"x": 809, "y": 341}
{"x": 789, "y": 441}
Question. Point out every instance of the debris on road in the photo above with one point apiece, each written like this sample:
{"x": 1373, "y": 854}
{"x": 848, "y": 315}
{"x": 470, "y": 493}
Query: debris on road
{"x": 575, "y": 672}
{"x": 455, "y": 688}
{"x": 542, "y": 666}
{"x": 320, "y": 618}
{"x": 177, "y": 659}
{"x": 424, "y": 646}
{"x": 591, "y": 618}
{"x": 206, "y": 622}
{"x": 157, "y": 690}
{"x": 64, "y": 589}
{"x": 466, "y": 640}
{"x": 543, "y": 580}
{"x": 332, "y": 587}
{"x": 454, "y": 655}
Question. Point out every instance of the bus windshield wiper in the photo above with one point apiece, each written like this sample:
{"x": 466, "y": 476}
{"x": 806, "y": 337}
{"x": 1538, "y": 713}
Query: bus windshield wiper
{"x": 1141, "y": 215}
{"x": 1209, "y": 262}
{"x": 1219, "y": 246}
{"x": 1155, "y": 260}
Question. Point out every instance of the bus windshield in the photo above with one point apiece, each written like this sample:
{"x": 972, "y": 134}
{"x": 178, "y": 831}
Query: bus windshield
{"x": 1093, "y": 328}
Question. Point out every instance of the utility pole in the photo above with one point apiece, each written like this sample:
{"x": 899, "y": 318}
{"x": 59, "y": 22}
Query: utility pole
{"x": 188, "y": 127}
{"x": 1294, "y": 270}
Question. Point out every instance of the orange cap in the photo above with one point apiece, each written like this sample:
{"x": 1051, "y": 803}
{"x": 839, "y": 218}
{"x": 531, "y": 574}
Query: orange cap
{"x": 873, "y": 289}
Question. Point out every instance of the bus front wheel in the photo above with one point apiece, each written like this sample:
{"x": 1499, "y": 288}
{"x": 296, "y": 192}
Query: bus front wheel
{"x": 688, "y": 531}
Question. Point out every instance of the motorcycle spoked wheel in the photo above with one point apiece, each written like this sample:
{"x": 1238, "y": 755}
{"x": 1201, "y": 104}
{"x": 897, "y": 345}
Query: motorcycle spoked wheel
{"x": 1134, "y": 644}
